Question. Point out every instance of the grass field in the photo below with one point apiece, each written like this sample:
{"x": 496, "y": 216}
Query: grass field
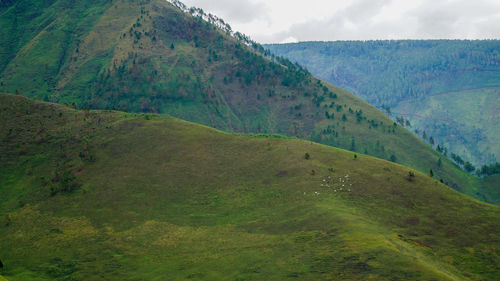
{"x": 103, "y": 195}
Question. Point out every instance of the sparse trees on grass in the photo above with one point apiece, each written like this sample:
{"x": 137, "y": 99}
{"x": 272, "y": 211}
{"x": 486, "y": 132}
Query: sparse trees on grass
{"x": 457, "y": 159}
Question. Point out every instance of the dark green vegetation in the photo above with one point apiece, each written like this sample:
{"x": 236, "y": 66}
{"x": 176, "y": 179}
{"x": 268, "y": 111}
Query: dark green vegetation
{"x": 489, "y": 170}
{"x": 149, "y": 56}
{"x": 449, "y": 89}
{"x": 105, "y": 195}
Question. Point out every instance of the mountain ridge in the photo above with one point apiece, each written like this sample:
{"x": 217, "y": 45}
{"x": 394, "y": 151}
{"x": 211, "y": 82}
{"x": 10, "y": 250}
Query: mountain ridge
{"x": 155, "y": 58}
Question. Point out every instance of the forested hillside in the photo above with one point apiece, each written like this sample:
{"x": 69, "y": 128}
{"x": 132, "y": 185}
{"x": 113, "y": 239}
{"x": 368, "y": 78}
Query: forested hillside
{"x": 154, "y": 56}
{"x": 388, "y": 72}
{"x": 448, "y": 88}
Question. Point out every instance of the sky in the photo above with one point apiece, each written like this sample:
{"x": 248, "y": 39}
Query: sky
{"x": 280, "y": 21}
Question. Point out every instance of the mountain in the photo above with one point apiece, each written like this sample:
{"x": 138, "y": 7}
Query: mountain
{"x": 449, "y": 89}
{"x": 107, "y": 195}
{"x": 154, "y": 56}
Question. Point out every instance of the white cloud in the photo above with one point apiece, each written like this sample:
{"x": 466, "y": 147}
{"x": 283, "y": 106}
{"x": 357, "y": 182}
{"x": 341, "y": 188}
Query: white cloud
{"x": 292, "y": 20}
{"x": 290, "y": 39}
{"x": 240, "y": 11}
{"x": 457, "y": 19}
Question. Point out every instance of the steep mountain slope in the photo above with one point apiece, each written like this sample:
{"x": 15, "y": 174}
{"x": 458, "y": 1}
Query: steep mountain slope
{"x": 103, "y": 195}
{"x": 466, "y": 122}
{"x": 417, "y": 80}
{"x": 149, "y": 56}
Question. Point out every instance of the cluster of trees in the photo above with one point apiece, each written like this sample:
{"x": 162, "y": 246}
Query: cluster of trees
{"x": 466, "y": 165}
{"x": 488, "y": 170}
{"x": 457, "y": 159}
{"x": 198, "y": 12}
{"x": 403, "y": 121}
{"x": 252, "y": 67}
{"x": 442, "y": 149}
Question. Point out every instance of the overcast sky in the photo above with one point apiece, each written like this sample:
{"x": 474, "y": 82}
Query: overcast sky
{"x": 276, "y": 21}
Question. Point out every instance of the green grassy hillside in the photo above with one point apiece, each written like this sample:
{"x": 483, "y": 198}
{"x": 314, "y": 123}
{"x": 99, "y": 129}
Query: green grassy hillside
{"x": 105, "y": 195}
{"x": 149, "y": 56}
{"x": 491, "y": 185}
{"x": 446, "y": 84}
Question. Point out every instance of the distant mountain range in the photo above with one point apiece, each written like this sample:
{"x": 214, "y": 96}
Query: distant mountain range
{"x": 448, "y": 88}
